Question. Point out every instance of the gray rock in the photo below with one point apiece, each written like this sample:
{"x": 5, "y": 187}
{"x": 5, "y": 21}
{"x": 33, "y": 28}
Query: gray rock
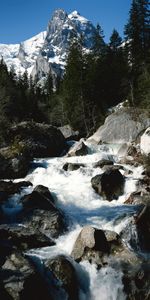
{"x": 124, "y": 126}
{"x": 110, "y": 184}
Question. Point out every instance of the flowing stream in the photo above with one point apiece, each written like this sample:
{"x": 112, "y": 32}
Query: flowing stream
{"x": 82, "y": 206}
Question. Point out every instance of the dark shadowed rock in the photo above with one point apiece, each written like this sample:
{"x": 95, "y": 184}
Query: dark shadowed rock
{"x": 39, "y": 140}
{"x": 72, "y": 167}
{"x": 79, "y": 148}
{"x": 45, "y": 192}
{"x": 109, "y": 184}
{"x": 65, "y": 273}
{"x": 40, "y": 198}
{"x": 50, "y": 222}
{"x": 23, "y": 238}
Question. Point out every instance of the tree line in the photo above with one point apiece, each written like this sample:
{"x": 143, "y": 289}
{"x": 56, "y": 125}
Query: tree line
{"x": 93, "y": 81}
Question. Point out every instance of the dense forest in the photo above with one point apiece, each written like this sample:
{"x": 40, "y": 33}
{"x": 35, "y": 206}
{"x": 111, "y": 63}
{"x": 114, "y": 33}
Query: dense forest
{"x": 93, "y": 82}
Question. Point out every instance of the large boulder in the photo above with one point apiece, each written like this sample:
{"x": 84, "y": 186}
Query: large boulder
{"x": 41, "y": 213}
{"x": 65, "y": 274}
{"x": 39, "y": 140}
{"x": 145, "y": 142}
{"x": 40, "y": 198}
{"x": 97, "y": 246}
{"x": 123, "y": 126}
{"x": 91, "y": 244}
{"x": 109, "y": 185}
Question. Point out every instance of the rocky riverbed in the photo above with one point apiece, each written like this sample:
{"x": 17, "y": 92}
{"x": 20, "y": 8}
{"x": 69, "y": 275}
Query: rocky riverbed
{"x": 77, "y": 227}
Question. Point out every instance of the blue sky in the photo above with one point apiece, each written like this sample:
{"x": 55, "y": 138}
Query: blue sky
{"x": 21, "y": 19}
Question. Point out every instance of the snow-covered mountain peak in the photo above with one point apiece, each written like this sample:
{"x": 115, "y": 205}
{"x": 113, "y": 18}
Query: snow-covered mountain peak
{"x": 48, "y": 50}
{"x": 75, "y": 15}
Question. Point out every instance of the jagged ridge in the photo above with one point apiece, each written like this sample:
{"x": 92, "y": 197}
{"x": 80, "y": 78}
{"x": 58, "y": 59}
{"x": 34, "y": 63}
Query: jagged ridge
{"x": 48, "y": 50}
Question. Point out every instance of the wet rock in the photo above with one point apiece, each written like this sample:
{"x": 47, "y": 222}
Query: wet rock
{"x": 13, "y": 164}
{"x": 41, "y": 213}
{"x": 9, "y": 188}
{"x": 103, "y": 162}
{"x": 23, "y": 238}
{"x": 38, "y": 139}
{"x": 100, "y": 247}
{"x": 110, "y": 184}
{"x": 91, "y": 245}
{"x": 72, "y": 167}
{"x": 65, "y": 273}
{"x": 51, "y": 223}
{"x": 79, "y": 148}
{"x": 40, "y": 198}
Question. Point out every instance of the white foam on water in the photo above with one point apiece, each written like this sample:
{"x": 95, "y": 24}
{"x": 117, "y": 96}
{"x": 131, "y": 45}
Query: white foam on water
{"x": 83, "y": 206}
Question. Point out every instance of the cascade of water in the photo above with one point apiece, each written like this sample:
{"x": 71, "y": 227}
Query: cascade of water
{"x": 83, "y": 206}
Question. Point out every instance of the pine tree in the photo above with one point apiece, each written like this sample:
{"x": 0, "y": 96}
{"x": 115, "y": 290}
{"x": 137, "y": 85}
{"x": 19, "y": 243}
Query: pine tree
{"x": 73, "y": 88}
{"x": 137, "y": 31}
{"x": 115, "y": 40}
{"x": 99, "y": 45}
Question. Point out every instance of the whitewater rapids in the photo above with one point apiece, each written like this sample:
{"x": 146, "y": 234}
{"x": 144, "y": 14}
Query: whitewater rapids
{"x": 82, "y": 206}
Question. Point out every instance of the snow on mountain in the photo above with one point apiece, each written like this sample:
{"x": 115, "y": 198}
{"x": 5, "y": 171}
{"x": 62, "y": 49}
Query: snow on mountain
{"x": 48, "y": 50}
{"x": 23, "y": 56}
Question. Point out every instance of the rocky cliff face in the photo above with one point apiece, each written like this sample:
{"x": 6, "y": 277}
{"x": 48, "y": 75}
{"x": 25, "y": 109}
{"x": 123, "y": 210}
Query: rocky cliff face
{"x": 48, "y": 50}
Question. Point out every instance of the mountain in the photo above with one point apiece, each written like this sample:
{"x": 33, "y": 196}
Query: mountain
{"x": 48, "y": 50}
